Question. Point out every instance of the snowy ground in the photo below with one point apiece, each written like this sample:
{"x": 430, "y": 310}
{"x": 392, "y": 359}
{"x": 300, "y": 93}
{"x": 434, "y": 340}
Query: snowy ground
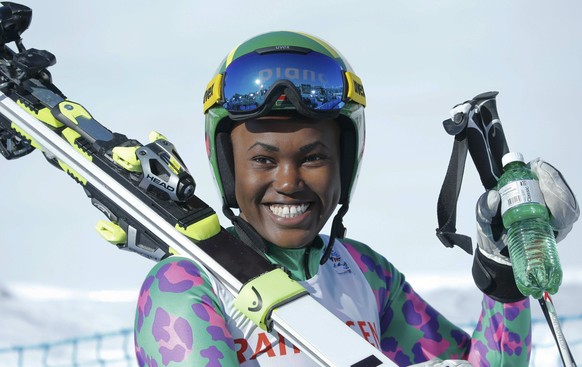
{"x": 32, "y": 315}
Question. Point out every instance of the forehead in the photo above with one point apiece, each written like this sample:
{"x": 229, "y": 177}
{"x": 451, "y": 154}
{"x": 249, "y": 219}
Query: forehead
{"x": 285, "y": 135}
{"x": 287, "y": 128}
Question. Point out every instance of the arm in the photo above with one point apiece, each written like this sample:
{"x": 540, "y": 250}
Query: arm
{"x": 179, "y": 318}
{"x": 503, "y": 335}
{"x": 412, "y": 331}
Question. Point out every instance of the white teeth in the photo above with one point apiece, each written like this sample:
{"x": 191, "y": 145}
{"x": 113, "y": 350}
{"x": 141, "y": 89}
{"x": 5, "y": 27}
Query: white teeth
{"x": 288, "y": 211}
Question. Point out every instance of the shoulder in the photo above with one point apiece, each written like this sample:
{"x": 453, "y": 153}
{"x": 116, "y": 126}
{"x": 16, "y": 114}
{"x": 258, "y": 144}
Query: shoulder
{"x": 174, "y": 288}
{"x": 367, "y": 258}
{"x": 179, "y": 317}
{"x": 177, "y": 274}
{"x": 176, "y": 282}
{"x": 376, "y": 268}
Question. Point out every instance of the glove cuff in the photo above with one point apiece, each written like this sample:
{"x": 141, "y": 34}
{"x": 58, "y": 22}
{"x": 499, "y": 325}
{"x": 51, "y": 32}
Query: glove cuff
{"x": 495, "y": 280}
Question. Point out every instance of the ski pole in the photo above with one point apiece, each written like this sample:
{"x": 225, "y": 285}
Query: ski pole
{"x": 547, "y": 305}
{"x": 477, "y": 129}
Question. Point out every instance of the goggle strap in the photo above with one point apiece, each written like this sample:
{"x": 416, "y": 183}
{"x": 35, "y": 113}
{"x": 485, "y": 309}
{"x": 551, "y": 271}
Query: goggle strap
{"x": 355, "y": 88}
{"x": 213, "y": 93}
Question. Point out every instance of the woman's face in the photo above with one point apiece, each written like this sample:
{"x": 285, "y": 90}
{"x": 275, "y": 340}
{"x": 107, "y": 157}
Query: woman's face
{"x": 287, "y": 173}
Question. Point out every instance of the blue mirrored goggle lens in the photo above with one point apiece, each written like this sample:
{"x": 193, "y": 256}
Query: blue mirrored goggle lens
{"x": 318, "y": 79}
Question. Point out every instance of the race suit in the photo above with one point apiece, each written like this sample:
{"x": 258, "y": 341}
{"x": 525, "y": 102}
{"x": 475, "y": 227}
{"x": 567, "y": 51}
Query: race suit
{"x": 186, "y": 318}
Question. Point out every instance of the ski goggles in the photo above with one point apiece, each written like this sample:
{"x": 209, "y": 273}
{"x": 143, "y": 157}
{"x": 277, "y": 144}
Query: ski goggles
{"x": 305, "y": 80}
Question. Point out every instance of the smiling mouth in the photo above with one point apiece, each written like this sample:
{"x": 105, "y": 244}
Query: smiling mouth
{"x": 288, "y": 211}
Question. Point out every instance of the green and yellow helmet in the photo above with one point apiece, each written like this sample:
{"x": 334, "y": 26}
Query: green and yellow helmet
{"x": 283, "y": 73}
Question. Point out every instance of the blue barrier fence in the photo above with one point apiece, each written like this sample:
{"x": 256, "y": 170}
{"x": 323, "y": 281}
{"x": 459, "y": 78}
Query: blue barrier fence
{"x": 115, "y": 349}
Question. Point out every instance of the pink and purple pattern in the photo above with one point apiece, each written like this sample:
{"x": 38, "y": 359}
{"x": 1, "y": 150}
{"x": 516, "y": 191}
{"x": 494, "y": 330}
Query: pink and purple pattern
{"x": 413, "y": 331}
{"x": 170, "y": 331}
{"x": 180, "y": 320}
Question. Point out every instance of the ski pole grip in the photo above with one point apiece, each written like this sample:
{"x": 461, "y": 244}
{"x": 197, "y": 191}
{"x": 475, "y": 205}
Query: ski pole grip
{"x": 486, "y": 139}
{"x": 476, "y": 127}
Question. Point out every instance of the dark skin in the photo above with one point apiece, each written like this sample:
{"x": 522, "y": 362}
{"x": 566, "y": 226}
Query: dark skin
{"x": 287, "y": 176}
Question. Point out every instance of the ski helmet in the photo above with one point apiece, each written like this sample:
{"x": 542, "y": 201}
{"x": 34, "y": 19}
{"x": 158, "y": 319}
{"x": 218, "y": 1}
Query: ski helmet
{"x": 283, "y": 73}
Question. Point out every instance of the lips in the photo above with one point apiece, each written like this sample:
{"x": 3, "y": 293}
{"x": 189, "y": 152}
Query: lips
{"x": 288, "y": 210}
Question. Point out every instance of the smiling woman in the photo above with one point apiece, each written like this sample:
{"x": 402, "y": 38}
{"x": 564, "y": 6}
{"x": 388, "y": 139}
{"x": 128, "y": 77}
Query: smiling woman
{"x": 287, "y": 174}
{"x": 415, "y": 60}
{"x": 285, "y": 152}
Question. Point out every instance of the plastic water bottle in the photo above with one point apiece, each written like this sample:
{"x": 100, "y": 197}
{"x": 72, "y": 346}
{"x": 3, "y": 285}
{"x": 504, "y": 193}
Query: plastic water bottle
{"x": 530, "y": 238}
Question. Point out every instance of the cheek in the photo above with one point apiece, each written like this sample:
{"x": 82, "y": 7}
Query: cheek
{"x": 248, "y": 188}
{"x": 327, "y": 185}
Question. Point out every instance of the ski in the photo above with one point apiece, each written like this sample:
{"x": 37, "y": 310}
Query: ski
{"x": 147, "y": 195}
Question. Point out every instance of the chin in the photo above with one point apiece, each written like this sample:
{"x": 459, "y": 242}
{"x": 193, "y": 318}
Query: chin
{"x": 294, "y": 240}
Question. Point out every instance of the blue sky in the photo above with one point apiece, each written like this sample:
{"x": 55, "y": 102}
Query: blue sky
{"x": 139, "y": 66}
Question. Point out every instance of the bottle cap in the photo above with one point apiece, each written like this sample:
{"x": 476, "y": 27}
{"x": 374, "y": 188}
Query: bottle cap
{"x": 511, "y": 157}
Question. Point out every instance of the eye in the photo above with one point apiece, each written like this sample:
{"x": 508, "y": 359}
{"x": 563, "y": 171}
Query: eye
{"x": 315, "y": 159}
{"x": 262, "y": 160}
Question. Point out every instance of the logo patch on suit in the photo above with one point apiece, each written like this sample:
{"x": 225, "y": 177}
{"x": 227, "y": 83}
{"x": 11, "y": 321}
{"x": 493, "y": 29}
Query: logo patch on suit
{"x": 339, "y": 265}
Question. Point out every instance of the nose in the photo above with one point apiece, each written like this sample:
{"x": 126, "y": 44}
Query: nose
{"x": 288, "y": 179}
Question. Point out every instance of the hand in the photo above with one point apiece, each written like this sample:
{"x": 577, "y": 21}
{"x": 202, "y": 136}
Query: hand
{"x": 491, "y": 235}
{"x": 490, "y": 232}
{"x": 559, "y": 199}
{"x": 558, "y": 196}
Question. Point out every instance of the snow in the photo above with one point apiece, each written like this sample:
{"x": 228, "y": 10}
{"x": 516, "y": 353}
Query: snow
{"x": 33, "y": 314}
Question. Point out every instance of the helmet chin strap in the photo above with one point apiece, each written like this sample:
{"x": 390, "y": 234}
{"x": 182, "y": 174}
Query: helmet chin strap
{"x": 251, "y": 237}
{"x": 245, "y": 231}
{"x": 337, "y": 231}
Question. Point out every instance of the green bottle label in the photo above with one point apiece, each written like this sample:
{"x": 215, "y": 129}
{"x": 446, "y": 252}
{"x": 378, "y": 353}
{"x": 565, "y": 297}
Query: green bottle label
{"x": 520, "y": 192}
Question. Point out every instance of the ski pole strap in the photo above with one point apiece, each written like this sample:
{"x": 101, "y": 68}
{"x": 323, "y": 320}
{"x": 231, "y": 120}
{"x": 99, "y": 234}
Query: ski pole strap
{"x": 258, "y": 297}
{"x": 449, "y": 195}
{"x": 476, "y": 127}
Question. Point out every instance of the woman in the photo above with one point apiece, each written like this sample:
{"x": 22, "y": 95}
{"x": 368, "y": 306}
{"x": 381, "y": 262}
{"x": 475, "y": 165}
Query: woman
{"x": 285, "y": 137}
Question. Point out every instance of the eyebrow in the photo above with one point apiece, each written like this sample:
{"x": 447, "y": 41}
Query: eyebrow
{"x": 305, "y": 148}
